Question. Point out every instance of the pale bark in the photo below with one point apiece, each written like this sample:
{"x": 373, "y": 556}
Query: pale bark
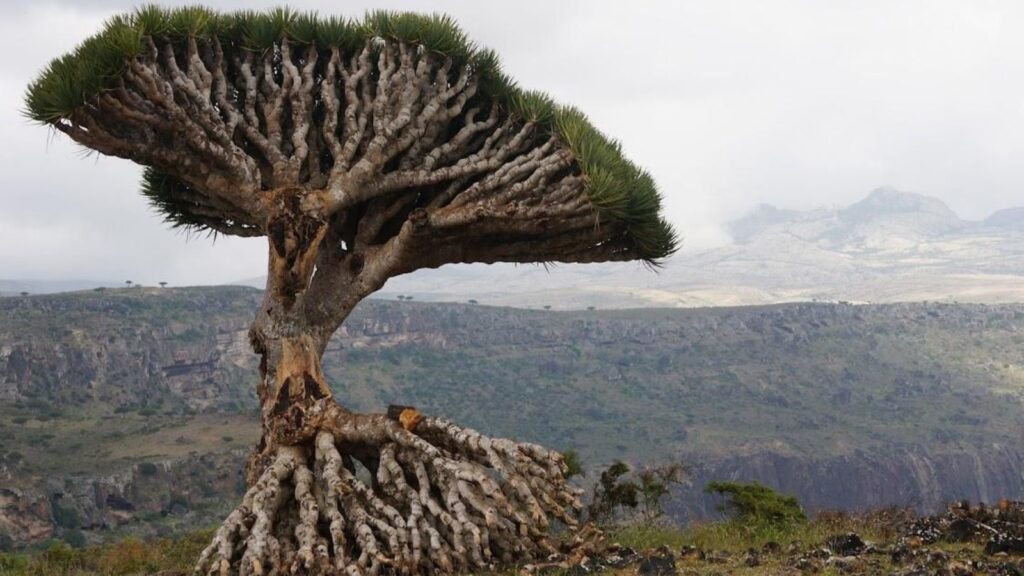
{"x": 358, "y": 168}
{"x": 400, "y": 128}
{"x": 431, "y": 496}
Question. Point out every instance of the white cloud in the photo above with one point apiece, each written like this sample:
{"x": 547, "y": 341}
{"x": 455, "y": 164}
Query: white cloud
{"x": 728, "y": 103}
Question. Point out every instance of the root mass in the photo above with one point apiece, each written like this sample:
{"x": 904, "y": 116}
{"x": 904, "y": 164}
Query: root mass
{"x": 376, "y": 495}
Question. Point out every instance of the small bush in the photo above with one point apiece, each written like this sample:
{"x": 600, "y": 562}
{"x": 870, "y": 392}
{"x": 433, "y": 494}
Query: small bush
{"x": 573, "y": 464}
{"x": 66, "y": 517}
{"x": 756, "y": 503}
{"x": 655, "y": 484}
{"x": 613, "y": 491}
{"x": 74, "y": 538}
{"x": 147, "y": 469}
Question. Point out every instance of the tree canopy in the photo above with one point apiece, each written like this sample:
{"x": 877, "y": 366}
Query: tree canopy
{"x": 388, "y": 114}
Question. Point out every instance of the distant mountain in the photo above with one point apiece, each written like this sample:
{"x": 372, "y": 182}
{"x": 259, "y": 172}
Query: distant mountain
{"x": 1011, "y": 217}
{"x": 892, "y": 246}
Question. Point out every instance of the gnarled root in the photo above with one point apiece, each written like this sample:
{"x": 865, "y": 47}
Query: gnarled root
{"x": 437, "y": 498}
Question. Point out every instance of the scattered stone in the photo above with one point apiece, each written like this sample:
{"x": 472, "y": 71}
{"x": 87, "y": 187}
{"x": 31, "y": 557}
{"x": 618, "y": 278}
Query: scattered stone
{"x": 902, "y": 554}
{"x": 1008, "y": 569}
{"x": 620, "y": 557}
{"x": 806, "y": 565}
{"x": 753, "y": 558}
{"x": 848, "y": 544}
{"x": 1003, "y": 543}
{"x": 961, "y": 530}
{"x": 582, "y": 569}
{"x": 845, "y": 564}
{"x": 771, "y": 547}
{"x": 937, "y": 557}
{"x": 959, "y": 569}
{"x": 688, "y": 550}
{"x": 820, "y": 553}
{"x": 660, "y": 563}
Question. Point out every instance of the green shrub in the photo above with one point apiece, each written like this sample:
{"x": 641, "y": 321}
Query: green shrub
{"x": 75, "y": 538}
{"x": 65, "y": 517}
{"x": 573, "y": 463}
{"x": 755, "y": 503}
{"x": 177, "y": 499}
{"x": 613, "y": 491}
{"x": 147, "y": 469}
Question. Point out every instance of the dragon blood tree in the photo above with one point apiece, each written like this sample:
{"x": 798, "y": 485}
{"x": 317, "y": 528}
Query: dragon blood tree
{"x": 362, "y": 150}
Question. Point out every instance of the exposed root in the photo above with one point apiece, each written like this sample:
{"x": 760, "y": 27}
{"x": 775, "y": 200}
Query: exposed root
{"x": 439, "y": 498}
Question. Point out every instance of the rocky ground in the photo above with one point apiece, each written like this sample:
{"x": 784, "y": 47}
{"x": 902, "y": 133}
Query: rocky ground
{"x": 965, "y": 540}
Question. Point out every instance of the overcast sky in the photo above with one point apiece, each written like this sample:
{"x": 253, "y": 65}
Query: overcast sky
{"x": 729, "y": 104}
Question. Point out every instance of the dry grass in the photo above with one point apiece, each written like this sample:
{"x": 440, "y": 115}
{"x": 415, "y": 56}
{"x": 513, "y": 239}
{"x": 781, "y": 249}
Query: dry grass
{"x": 125, "y": 558}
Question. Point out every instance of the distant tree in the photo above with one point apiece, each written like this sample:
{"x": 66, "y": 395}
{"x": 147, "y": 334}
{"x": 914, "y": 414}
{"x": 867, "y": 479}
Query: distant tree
{"x": 547, "y": 306}
{"x": 655, "y": 483}
{"x": 162, "y": 284}
{"x": 24, "y": 293}
{"x": 128, "y": 283}
{"x": 473, "y": 301}
{"x": 590, "y": 308}
{"x": 361, "y": 151}
{"x": 755, "y": 503}
{"x": 613, "y": 491}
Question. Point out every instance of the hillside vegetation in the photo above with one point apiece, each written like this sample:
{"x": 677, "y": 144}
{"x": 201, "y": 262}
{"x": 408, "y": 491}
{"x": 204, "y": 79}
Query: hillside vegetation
{"x": 130, "y": 410}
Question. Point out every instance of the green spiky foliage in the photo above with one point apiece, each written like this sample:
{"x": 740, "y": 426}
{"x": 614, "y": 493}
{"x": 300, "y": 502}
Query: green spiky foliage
{"x": 618, "y": 189}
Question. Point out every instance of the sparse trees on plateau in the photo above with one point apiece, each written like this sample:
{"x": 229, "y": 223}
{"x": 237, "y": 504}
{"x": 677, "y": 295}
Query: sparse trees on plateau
{"x": 361, "y": 150}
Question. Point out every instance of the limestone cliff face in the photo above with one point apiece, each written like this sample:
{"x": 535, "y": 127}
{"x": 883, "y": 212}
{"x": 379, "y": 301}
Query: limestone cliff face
{"x": 117, "y": 348}
{"x": 927, "y": 481}
{"x": 146, "y": 499}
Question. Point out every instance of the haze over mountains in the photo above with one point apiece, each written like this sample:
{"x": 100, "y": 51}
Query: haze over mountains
{"x": 891, "y": 246}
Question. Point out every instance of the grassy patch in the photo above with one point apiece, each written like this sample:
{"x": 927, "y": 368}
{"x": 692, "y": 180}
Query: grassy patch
{"x": 127, "y": 557}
